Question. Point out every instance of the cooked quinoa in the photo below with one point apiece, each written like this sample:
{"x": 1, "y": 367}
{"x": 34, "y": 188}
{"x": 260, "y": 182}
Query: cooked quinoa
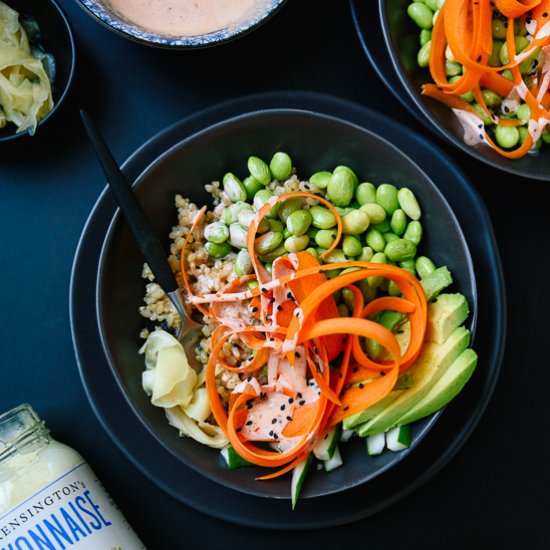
{"x": 205, "y": 274}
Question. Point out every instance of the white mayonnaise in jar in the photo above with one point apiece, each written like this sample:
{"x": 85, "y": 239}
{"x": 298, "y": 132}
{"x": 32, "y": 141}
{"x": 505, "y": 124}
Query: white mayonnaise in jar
{"x": 49, "y": 496}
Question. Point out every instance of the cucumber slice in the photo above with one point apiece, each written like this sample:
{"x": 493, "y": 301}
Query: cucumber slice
{"x": 298, "y": 475}
{"x": 334, "y": 462}
{"x": 233, "y": 459}
{"x": 324, "y": 449}
{"x": 346, "y": 435}
{"x": 436, "y": 281}
{"x": 375, "y": 443}
{"x": 398, "y": 438}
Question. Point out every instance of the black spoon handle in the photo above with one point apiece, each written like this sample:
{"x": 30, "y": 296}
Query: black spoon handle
{"x": 147, "y": 241}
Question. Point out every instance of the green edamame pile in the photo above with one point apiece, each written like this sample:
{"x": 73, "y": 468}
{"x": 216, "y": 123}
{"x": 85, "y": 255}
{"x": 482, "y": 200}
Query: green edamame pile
{"x": 381, "y": 223}
{"x": 507, "y": 136}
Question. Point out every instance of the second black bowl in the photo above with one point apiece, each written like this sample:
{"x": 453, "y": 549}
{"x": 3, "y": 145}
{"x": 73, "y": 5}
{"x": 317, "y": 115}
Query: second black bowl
{"x": 401, "y": 38}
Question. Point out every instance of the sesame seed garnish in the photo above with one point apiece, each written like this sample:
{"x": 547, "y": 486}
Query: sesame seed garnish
{"x": 382, "y": 373}
{"x": 279, "y": 307}
{"x": 238, "y": 430}
{"x": 248, "y": 378}
{"x": 283, "y": 406}
{"x": 346, "y": 408}
{"x": 545, "y": 14}
{"x": 272, "y": 339}
{"x": 290, "y": 400}
{"x": 289, "y": 418}
{"x": 254, "y": 309}
{"x": 249, "y": 423}
{"x": 297, "y": 354}
{"x": 275, "y": 436}
{"x": 302, "y": 402}
{"x": 271, "y": 433}
{"x": 361, "y": 386}
{"x": 272, "y": 300}
{"x": 274, "y": 421}
{"x": 263, "y": 289}
{"x": 355, "y": 369}
{"x": 290, "y": 296}
{"x": 299, "y": 395}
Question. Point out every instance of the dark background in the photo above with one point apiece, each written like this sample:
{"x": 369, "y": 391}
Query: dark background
{"x": 494, "y": 492}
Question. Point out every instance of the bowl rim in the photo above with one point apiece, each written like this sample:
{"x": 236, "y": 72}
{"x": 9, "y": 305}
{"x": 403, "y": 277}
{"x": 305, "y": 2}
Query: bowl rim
{"x": 160, "y": 41}
{"x": 506, "y": 165}
{"x": 67, "y": 87}
{"x": 427, "y": 423}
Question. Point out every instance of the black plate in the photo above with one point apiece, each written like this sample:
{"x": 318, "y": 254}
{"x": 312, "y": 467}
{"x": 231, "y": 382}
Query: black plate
{"x": 315, "y": 141}
{"x": 443, "y": 441}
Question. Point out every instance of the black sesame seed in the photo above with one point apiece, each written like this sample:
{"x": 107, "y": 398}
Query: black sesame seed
{"x": 528, "y": 20}
{"x": 249, "y": 423}
{"x": 283, "y": 406}
{"x": 290, "y": 296}
{"x": 263, "y": 289}
{"x": 478, "y": 58}
{"x": 271, "y": 433}
{"x": 506, "y": 109}
{"x": 545, "y": 14}
{"x": 272, "y": 300}
{"x": 298, "y": 354}
{"x": 275, "y": 436}
{"x": 302, "y": 402}
{"x": 361, "y": 386}
{"x": 238, "y": 430}
{"x": 272, "y": 339}
{"x": 355, "y": 369}
{"x": 254, "y": 309}
{"x": 326, "y": 435}
{"x": 290, "y": 400}
{"x": 289, "y": 418}
{"x": 248, "y": 378}
{"x": 382, "y": 374}
{"x": 299, "y": 395}
{"x": 274, "y": 421}
{"x": 480, "y": 136}
{"x": 279, "y": 308}
{"x": 346, "y": 408}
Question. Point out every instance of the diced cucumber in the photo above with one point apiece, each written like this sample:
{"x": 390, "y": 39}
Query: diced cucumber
{"x": 232, "y": 458}
{"x": 398, "y": 438}
{"x": 298, "y": 475}
{"x": 375, "y": 444}
{"x": 334, "y": 462}
{"x": 324, "y": 449}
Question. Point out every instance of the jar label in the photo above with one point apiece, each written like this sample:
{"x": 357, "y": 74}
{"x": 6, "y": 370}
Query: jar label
{"x": 72, "y": 511}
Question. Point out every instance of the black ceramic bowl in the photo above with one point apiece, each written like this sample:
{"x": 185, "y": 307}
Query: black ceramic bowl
{"x": 401, "y": 38}
{"x": 102, "y": 11}
{"x": 57, "y": 39}
{"x": 315, "y": 142}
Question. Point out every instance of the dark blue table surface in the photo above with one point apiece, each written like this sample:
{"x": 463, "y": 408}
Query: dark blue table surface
{"x": 495, "y": 491}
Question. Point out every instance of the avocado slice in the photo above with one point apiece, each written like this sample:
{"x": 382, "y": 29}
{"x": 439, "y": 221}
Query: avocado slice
{"x": 445, "y": 313}
{"x": 430, "y": 365}
{"x": 445, "y": 389}
{"x": 351, "y": 422}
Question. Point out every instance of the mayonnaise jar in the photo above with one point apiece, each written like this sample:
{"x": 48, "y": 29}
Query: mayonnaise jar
{"x": 49, "y": 496}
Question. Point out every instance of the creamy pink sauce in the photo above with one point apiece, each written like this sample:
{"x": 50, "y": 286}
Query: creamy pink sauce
{"x": 186, "y": 17}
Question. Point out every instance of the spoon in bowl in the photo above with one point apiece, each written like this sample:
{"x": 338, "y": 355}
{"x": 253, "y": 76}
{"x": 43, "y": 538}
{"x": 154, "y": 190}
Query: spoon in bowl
{"x": 149, "y": 244}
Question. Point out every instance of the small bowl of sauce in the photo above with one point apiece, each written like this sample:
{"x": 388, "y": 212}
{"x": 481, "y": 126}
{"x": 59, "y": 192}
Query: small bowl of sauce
{"x": 182, "y": 24}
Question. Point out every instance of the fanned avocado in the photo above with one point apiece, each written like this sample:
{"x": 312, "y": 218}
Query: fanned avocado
{"x": 433, "y": 361}
{"x": 445, "y": 313}
{"x": 445, "y": 389}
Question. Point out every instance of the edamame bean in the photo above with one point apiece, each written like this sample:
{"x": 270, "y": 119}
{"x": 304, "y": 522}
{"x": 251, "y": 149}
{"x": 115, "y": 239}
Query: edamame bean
{"x": 506, "y": 136}
{"x": 276, "y": 225}
{"x": 245, "y": 218}
{"x": 280, "y": 166}
{"x": 393, "y": 288}
{"x": 231, "y": 213}
{"x": 434, "y": 5}
{"x": 424, "y": 266}
{"x": 243, "y": 263}
{"x": 260, "y": 198}
{"x": 398, "y": 222}
{"x": 365, "y": 193}
{"x": 400, "y": 250}
{"x": 390, "y": 236}
{"x": 321, "y": 179}
{"x": 313, "y": 252}
{"x": 499, "y": 29}
{"x": 268, "y": 242}
{"x": 507, "y": 73}
{"x": 425, "y": 36}
{"x": 274, "y": 254}
{"x": 366, "y": 254}
{"x": 234, "y": 188}
{"x": 335, "y": 256}
{"x": 375, "y": 212}
{"x": 408, "y": 203}
{"x": 449, "y": 55}
{"x": 421, "y": 14}
{"x": 296, "y": 243}
{"x": 409, "y": 265}
{"x": 259, "y": 170}
{"x": 491, "y": 98}
{"x": 355, "y": 223}
{"x": 350, "y": 171}
{"x": 343, "y": 310}
{"x": 383, "y": 226}
{"x": 468, "y": 96}
{"x": 351, "y": 246}
{"x": 486, "y": 120}
{"x": 524, "y": 112}
{"x": 322, "y": 217}
{"x": 287, "y": 206}
{"x": 423, "y": 56}
{"x": 349, "y": 298}
{"x": 286, "y": 233}
{"x": 311, "y": 232}
{"x": 546, "y": 137}
{"x": 521, "y": 43}
{"x": 386, "y": 197}
{"x": 452, "y": 68}
{"x": 298, "y": 222}
{"x": 341, "y": 188}
{"x": 216, "y": 232}
{"x": 375, "y": 282}
{"x": 413, "y": 233}
{"x": 237, "y": 235}
{"x": 494, "y": 59}
{"x": 375, "y": 240}
{"x": 252, "y": 186}
{"x": 528, "y": 64}
{"x": 268, "y": 267}
{"x": 217, "y": 250}
{"x": 325, "y": 237}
